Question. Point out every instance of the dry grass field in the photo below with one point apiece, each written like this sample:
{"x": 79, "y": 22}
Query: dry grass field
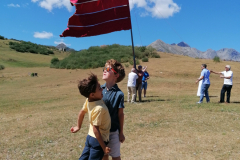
{"x": 36, "y": 113}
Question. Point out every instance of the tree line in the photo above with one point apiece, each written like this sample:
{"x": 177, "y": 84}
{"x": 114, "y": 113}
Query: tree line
{"x": 30, "y": 47}
{"x": 96, "y": 56}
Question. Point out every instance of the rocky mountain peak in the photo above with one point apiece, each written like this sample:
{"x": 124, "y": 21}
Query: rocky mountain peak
{"x": 183, "y": 44}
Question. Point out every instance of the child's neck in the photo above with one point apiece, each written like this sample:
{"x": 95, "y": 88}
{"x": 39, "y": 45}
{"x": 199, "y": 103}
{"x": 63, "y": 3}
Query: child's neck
{"x": 110, "y": 84}
{"x": 92, "y": 99}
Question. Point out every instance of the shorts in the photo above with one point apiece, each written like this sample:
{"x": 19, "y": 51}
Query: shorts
{"x": 114, "y": 144}
{"x": 144, "y": 85}
{"x": 92, "y": 149}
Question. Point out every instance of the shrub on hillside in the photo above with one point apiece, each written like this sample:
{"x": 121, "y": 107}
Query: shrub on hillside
{"x": 1, "y": 37}
{"x": 30, "y": 47}
{"x": 145, "y": 59}
{"x": 151, "y": 52}
{"x": 216, "y": 59}
{"x": 2, "y": 67}
{"x": 54, "y": 61}
{"x": 96, "y": 56}
{"x": 142, "y": 48}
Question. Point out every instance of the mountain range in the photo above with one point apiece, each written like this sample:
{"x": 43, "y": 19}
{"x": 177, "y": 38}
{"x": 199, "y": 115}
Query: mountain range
{"x": 183, "y": 48}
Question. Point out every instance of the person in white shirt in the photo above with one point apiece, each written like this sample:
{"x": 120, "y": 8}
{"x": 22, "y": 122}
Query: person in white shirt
{"x": 227, "y": 86}
{"x": 131, "y": 86}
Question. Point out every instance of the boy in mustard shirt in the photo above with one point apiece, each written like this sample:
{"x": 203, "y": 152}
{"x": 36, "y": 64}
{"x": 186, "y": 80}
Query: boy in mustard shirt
{"x": 99, "y": 118}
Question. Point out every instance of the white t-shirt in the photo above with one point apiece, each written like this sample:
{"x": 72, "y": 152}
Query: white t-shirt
{"x": 132, "y": 77}
{"x": 227, "y": 74}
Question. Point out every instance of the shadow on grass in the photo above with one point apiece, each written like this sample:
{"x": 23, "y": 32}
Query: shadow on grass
{"x": 235, "y": 102}
{"x": 152, "y": 96}
{"x": 212, "y": 96}
{"x": 152, "y": 100}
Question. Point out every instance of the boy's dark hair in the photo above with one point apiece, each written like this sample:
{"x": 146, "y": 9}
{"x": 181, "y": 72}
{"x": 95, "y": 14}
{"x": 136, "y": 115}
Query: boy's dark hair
{"x": 117, "y": 66}
{"x": 204, "y": 65}
{"x": 88, "y": 85}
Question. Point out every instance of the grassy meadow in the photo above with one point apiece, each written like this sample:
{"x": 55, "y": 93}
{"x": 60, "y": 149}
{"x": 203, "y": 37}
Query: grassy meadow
{"x": 36, "y": 113}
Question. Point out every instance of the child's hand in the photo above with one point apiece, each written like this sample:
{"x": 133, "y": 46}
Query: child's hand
{"x": 74, "y": 129}
{"x": 107, "y": 150}
{"x": 121, "y": 137}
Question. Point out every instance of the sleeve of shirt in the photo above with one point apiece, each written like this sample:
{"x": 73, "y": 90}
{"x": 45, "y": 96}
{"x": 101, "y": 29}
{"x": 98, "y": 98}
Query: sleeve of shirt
{"x": 121, "y": 104}
{"x": 96, "y": 117}
{"x": 85, "y": 109}
{"x": 202, "y": 73}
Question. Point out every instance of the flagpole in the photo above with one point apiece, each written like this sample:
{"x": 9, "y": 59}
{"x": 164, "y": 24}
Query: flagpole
{"x": 134, "y": 62}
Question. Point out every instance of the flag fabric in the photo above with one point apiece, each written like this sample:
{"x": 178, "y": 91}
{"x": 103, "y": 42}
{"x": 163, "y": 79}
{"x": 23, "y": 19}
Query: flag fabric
{"x": 95, "y": 17}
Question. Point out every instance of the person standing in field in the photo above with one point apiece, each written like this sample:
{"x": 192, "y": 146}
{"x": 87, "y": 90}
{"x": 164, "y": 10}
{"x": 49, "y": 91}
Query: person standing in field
{"x": 144, "y": 81}
{"x": 131, "y": 86}
{"x": 114, "y": 72}
{"x": 205, "y": 83}
{"x": 227, "y": 85}
{"x": 99, "y": 118}
{"x": 139, "y": 83}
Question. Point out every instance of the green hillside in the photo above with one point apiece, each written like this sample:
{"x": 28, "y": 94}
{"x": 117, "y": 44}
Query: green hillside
{"x": 96, "y": 56}
{"x": 15, "y": 53}
{"x": 11, "y": 58}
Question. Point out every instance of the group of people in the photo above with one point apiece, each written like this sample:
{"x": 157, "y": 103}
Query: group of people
{"x": 105, "y": 103}
{"x": 137, "y": 81}
{"x": 204, "y": 83}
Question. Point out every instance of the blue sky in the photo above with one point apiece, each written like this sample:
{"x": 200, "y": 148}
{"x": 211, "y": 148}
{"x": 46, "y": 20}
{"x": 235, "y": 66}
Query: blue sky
{"x": 203, "y": 24}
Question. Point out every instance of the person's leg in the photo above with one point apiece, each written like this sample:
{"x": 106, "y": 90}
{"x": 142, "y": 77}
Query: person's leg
{"x": 129, "y": 93}
{"x": 96, "y": 151}
{"x": 202, "y": 93}
{"x": 206, "y": 92}
{"x": 114, "y": 144}
{"x": 228, "y": 87}
{"x": 86, "y": 151}
{"x": 140, "y": 92}
{"x": 145, "y": 89}
{"x": 136, "y": 92}
{"x": 133, "y": 94}
{"x": 105, "y": 157}
{"x": 222, "y": 95}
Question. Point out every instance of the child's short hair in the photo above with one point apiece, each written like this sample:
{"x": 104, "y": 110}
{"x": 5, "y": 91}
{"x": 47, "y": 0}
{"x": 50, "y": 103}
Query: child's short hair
{"x": 88, "y": 85}
{"x": 117, "y": 66}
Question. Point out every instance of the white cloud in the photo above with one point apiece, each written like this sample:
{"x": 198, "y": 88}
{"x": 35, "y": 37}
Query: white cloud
{"x": 50, "y": 4}
{"x": 43, "y": 35}
{"x": 144, "y": 14}
{"x": 61, "y": 41}
{"x": 156, "y": 8}
{"x": 13, "y": 5}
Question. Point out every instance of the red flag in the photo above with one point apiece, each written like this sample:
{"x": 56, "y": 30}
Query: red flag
{"x": 95, "y": 17}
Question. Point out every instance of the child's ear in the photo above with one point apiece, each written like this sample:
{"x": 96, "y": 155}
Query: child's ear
{"x": 91, "y": 95}
{"x": 116, "y": 75}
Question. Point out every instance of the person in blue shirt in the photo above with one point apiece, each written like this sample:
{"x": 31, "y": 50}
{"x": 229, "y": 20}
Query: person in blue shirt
{"x": 205, "y": 83}
{"x": 144, "y": 80}
{"x": 113, "y": 97}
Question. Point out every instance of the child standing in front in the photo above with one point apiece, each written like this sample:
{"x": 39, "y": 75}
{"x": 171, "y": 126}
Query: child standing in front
{"x": 113, "y": 97}
{"x": 99, "y": 118}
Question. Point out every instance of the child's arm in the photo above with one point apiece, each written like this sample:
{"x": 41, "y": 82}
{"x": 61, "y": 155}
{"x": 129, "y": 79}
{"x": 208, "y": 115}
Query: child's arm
{"x": 121, "y": 122}
{"x": 79, "y": 122}
{"x": 100, "y": 140}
